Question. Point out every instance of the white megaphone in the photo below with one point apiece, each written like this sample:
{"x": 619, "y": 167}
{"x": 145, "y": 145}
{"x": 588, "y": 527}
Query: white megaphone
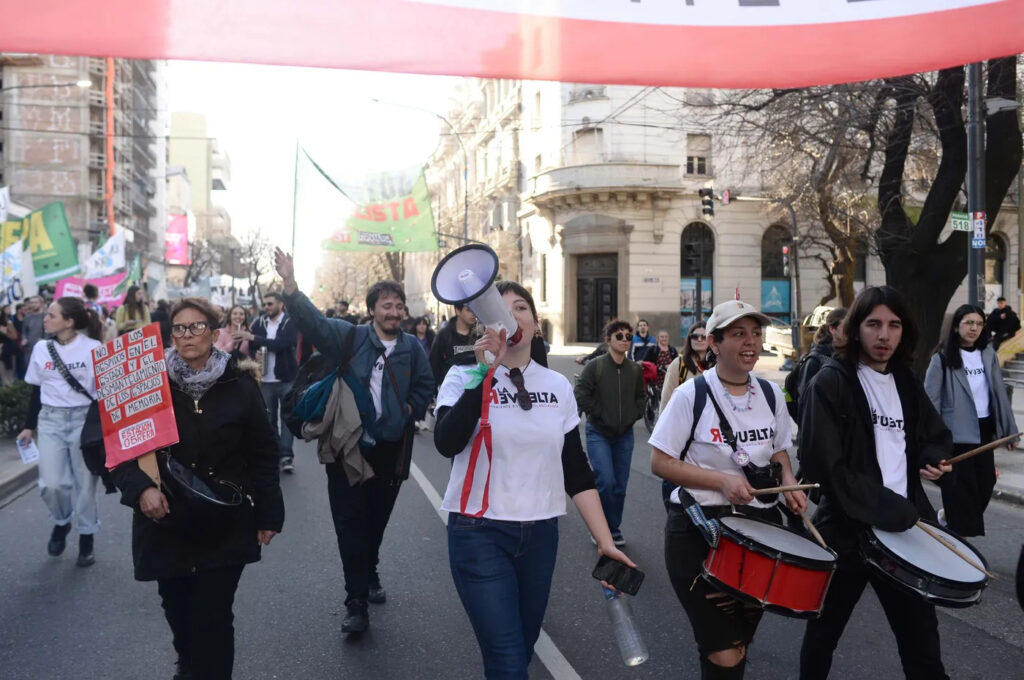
{"x": 466, "y": 277}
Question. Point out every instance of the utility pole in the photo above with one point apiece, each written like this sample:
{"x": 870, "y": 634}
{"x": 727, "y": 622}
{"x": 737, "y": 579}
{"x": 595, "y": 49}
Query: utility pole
{"x": 976, "y": 186}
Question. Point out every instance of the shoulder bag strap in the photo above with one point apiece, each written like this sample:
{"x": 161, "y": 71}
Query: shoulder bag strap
{"x": 700, "y": 399}
{"x": 727, "y": 434}
{"x": 769, "y": 393}
{"x": 64, "y": 372}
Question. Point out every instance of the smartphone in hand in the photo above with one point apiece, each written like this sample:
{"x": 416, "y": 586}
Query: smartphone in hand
{"x": 620, "y": 576}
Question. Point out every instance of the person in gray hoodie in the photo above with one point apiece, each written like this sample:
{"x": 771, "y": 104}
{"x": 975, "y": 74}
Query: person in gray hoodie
{"x": 965, "y": 384}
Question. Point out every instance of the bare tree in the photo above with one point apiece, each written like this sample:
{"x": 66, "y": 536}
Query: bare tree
{"x": 204, "y": 258}
{"x": 257, "y": 256}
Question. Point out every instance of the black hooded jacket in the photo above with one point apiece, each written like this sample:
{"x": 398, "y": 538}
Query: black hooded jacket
{"x": 837, "y": 449}
{"x": 227, "y": 435}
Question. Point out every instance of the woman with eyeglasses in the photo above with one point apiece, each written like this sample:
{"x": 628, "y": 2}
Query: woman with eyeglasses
{"x": 965, "y": 384}
{"x": 513, "y": 465}
{"x": 692, "y": 361}
{"x": 225, "y": 436}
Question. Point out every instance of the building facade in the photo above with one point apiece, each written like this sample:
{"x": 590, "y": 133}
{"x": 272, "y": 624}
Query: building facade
{"x": 100, "y": 149}
{"x": 590, "y": 195}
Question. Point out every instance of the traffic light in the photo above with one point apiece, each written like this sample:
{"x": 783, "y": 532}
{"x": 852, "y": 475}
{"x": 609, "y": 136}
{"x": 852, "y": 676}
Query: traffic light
{"x": 785, "y": 260}
{"x": 691, "y": 256}
{"x": 707, "y": 201}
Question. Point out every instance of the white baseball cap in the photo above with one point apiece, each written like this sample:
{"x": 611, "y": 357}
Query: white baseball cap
{"x": 726, "y": 313}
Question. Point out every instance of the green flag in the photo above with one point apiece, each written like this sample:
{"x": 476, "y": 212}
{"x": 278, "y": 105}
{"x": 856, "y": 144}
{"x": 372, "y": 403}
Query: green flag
{"x": 133, "y": 276}
{"x": 322, "y": 208}
{"x": 49, "y": 240}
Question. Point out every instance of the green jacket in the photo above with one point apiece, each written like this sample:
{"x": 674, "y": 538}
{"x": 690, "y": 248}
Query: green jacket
{"x": 612, "y": 395}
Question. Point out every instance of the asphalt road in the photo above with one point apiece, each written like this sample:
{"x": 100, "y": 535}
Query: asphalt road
{"x": 57, "y": 620}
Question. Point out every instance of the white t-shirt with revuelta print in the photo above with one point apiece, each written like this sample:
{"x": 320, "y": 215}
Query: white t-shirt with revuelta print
{"x": 53, "y": 389}
{"x": 759, "y": 432}
{"x": 974, "y": 367}
{"x": 889, "y": 426}
{"x": 527, "y": 482}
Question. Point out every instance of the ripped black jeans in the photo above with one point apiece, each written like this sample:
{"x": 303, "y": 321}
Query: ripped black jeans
{"x": 719, "y": 622}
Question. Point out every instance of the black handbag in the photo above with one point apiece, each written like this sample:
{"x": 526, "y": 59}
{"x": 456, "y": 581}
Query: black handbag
{"x": 205, "y": 511}
{"x": 91, "y": 441}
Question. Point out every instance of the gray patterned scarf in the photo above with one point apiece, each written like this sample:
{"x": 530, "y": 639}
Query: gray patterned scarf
{"x": 196, "y": 383}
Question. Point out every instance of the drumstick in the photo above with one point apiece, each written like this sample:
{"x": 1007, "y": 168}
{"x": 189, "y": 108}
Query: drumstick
{"x": 942, "y": 539}
{"x": 982, "y": 449}
{"x": 783, "y": 489}
{"x": 813, "y": 529}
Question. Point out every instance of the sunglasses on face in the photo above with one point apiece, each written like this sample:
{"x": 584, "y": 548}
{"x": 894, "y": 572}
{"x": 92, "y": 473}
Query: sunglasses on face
{"x": 699, "y": 337}
{"x": 621, "y": 336}
{"x": 522, "y": 396}
{"x": 195, "y": 328}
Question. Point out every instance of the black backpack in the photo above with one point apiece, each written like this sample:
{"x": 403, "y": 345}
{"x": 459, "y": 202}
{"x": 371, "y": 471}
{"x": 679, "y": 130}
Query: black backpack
{"x": 312, "y": 371}
{"x": 791, "y": 387}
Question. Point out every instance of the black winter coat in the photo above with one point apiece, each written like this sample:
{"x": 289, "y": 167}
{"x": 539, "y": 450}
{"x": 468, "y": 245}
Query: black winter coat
{"x": 227, "y": 435}
{"x": 837, "y": 449}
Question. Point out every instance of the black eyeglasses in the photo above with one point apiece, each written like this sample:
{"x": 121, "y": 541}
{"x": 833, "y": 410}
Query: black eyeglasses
{"x": 195, "y": 328}
{"x": 621, "y": 336}
{"x": 522, "y": 396}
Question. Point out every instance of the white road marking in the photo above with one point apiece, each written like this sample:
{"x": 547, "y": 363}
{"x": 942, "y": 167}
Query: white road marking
{"x": 546, "y": 651}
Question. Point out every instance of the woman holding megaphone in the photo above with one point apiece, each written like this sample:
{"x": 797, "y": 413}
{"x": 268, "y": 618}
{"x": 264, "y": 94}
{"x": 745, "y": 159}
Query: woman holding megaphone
{"x": 516, "y": 455}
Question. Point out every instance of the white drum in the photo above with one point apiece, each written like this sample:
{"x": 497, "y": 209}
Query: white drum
{"x": 920, "y": 565}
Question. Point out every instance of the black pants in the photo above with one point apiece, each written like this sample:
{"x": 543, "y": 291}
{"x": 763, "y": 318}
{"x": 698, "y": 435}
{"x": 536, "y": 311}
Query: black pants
{"x": 967, "y": 490}
{"x": 361, "y": 515}
{"x": 912, "y": 621}
{"x": 198, "y": 609}
{"x": 718, "y": 621}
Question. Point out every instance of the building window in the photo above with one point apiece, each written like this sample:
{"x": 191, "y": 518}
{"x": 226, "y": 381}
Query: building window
{"x": 538, "y": 163}
{"x": 698, "y": 154}
{"x": 587, "y": 145}
{"x": 860, "y": 267}
{"x": 995, "y": 259}
{"x": 776, "y": 237}
{"x": 536, "y": 111}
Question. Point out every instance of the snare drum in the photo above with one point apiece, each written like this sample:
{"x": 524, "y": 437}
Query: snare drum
{"x": 764, "y": 564}
{"x": 919, "y": 565}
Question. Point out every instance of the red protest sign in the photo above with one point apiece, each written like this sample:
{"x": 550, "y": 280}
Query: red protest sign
{"x": 134, "y": 395}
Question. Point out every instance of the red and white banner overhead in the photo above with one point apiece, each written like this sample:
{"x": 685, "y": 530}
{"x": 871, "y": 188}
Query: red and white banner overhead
{"x": 696, "y": 43}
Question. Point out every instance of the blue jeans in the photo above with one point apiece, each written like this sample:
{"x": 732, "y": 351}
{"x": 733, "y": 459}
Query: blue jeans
{"x": 273, "y": 393}
{"x": 502, "y": 571}
{"x": 65, "y": 483}
{"x": 610, "y": 459}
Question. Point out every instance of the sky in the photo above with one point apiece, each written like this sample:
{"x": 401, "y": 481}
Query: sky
{"x": 258, "y": 112}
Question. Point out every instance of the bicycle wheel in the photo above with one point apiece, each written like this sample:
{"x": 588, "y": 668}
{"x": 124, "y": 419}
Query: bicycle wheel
{"x": 651, "y": 410}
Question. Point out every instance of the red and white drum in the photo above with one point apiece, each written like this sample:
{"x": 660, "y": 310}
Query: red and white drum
{"x": 766, "y": 565}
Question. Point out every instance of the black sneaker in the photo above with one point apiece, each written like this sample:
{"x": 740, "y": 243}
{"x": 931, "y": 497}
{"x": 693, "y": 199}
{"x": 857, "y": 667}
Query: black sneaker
{"x": 287, "y": 465}
{"x": 58, "y": 539}
{"x": 86, "y": 557}
{"x": 357, "y": 618}
{"x": 617, "y": 539}
{"x": 377, "y": 594}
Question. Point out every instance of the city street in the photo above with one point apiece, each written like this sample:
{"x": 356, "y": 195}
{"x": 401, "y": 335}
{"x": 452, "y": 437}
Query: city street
{"x": 57, "y": 620}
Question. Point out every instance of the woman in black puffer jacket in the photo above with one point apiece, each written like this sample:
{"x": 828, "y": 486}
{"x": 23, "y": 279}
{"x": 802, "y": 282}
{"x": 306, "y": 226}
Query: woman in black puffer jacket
{"x": 224, "y": 435}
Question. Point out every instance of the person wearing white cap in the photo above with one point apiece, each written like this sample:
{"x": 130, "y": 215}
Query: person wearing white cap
{"x": 722, "y": 435}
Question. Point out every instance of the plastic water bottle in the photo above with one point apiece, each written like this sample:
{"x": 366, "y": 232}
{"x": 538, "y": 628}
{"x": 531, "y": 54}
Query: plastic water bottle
{"x": 631, "y": 643}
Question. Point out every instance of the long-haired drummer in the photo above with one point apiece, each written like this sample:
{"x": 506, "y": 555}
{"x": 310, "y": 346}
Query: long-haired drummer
{"x": 721, "y": 436}
{"x": 868, "y": 434}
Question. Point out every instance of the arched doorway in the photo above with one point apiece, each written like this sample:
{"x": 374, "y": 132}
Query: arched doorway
{"x": 995, "y": 268}
{"x": 775, "y": 293}
{"x": 696, "y": 267}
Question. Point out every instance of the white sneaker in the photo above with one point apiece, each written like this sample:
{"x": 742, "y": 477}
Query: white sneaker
{"x": 942, "y": 517}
